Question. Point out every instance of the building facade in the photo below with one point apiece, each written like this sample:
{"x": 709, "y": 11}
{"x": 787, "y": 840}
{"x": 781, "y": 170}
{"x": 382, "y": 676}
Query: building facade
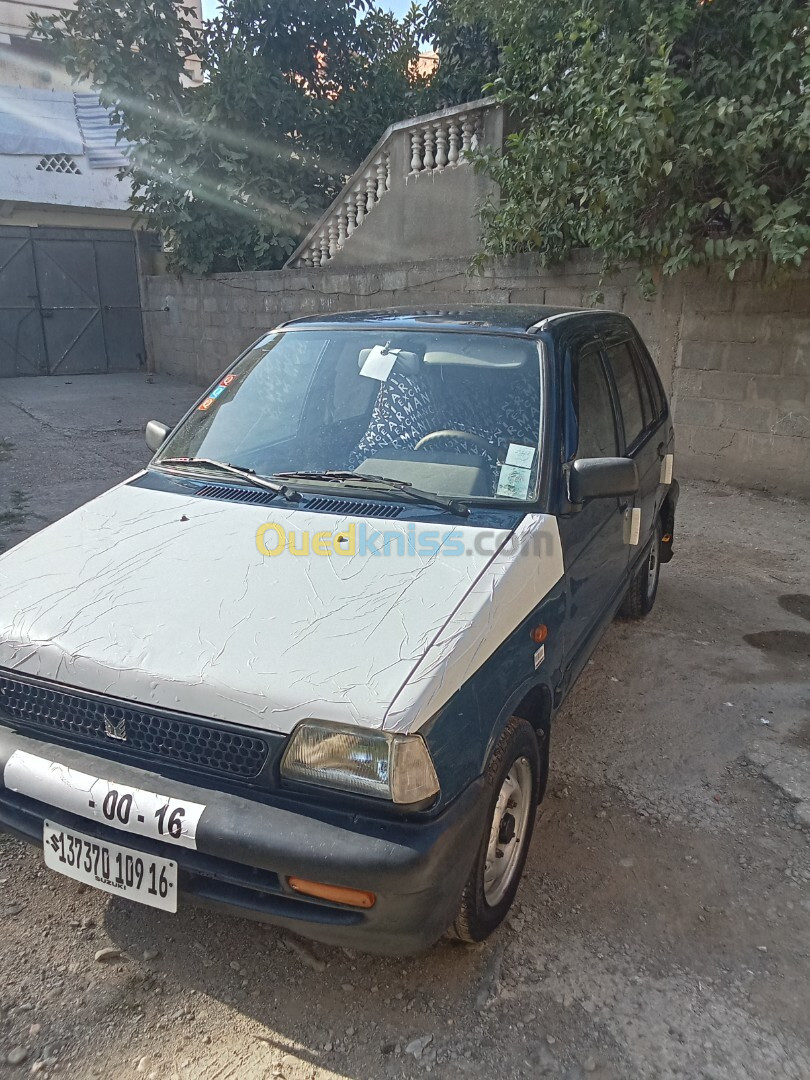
{"x": 70, "y": 254}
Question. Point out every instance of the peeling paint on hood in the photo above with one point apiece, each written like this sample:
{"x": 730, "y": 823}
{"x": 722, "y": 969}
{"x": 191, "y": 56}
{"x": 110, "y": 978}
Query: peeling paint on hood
{"x": 164, "y": 599}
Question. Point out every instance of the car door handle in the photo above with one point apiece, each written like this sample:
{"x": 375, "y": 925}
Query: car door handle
{"x": 662, "y": 447}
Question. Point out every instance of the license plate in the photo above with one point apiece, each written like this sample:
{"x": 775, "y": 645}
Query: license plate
{"x": 121, "y": 871}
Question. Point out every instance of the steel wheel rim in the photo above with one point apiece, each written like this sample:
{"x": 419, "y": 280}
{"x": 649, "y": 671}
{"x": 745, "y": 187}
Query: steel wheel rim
{"x": 507, "y": 834}
{"x": 652, "y": 568}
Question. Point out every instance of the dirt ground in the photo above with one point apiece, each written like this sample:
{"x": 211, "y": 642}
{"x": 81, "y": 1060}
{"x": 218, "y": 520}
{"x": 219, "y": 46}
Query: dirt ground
{"x": 663, "y": 926}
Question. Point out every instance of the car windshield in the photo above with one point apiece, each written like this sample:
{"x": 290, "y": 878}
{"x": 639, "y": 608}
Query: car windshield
{"x": 453, "y": 414}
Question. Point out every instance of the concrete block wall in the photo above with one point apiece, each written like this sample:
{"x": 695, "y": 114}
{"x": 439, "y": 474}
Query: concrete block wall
{"x": 734, "y": 357}
{"x": 742, "y": 381}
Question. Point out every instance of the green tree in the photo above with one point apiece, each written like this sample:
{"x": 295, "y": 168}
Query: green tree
{"x": 294, "y": 93}
{"x": 467, "y": 51}
{"x": 669, "y": 133}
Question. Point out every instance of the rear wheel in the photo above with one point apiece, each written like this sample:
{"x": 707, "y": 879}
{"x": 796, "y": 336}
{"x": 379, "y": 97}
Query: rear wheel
{"x": 640, "y": 597}
{"x": 512, "y": 781}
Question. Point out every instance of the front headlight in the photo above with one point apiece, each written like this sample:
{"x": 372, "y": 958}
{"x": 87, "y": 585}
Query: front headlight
{"x": 388, "y": 766}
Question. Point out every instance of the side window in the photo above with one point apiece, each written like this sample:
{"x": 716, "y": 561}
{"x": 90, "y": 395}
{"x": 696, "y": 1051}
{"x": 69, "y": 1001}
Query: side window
{"x": 636, "y": 413}
{"x": 647, "y": 406}
{"x": 596, "y": 420}
{"x": 654, "y": 383}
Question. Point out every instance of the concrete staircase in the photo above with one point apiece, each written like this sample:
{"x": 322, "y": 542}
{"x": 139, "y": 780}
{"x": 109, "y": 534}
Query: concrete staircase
{"x": 414, "y": 197}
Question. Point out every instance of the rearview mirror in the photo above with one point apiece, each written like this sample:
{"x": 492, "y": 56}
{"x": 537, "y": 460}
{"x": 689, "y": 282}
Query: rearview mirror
{"x": 601, "y": 478}
{"x": 156, "y": 435}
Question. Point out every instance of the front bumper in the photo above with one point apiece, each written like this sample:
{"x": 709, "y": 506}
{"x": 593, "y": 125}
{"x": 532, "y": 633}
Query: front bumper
{"x": 247, "y": 849}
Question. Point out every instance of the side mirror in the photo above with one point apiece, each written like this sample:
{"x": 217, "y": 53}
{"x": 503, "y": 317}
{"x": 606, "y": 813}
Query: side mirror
{"x": 156, "y": 435}
{"x": 601, "y": 478}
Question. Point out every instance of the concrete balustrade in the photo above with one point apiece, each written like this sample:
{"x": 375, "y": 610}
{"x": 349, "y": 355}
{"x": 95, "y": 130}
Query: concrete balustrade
{"x": 347, "y": 213}
{"x": 449, "y": 141}
{"x": 424, "y": 146}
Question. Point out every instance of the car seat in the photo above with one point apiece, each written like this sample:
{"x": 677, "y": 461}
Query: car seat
{"x": 404, "y": 411}
{"x": 414, "y": 402}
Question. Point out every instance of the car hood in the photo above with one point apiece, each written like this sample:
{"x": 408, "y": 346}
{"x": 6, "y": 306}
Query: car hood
{"x": 164, "y": 598}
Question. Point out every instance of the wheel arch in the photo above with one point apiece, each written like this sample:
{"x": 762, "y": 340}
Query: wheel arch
{"x": 667, "y": 516}
{"x": 532, "y": 702}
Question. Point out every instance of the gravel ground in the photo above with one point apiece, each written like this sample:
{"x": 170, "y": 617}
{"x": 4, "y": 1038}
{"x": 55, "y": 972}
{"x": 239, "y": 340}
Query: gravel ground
{"x": 663, "y": 927}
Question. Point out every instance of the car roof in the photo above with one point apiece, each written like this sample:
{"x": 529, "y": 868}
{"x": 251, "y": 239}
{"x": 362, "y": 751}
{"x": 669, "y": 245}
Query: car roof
{"x": 513, "y": 318}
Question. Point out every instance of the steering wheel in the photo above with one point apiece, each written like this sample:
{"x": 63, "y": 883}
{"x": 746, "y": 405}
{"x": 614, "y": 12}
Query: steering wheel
{"x": 454, "y": 433}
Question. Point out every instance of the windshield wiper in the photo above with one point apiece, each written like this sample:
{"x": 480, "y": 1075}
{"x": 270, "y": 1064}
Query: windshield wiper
{"x": 381, "y": 483}
{"x": 241, "y": 471}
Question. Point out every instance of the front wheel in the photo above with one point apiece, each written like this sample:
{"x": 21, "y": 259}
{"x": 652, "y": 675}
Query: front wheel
{"x": 512, "y": 781}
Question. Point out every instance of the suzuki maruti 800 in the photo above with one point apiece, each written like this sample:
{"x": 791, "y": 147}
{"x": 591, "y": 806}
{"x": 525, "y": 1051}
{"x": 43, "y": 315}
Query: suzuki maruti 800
{"x": 304, "y": 666}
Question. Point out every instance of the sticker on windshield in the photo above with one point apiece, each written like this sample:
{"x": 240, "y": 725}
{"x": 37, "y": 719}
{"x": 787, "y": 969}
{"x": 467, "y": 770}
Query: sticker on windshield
{"x": 216, "y": 392}
{"x": 379, "y": 362}
{"x": 513, "y": 482}
{"x": 520, "y": 455}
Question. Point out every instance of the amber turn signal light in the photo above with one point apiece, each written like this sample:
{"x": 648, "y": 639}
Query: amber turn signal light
{"x": 539, "y": 634}
{"x": 338, "y": 894}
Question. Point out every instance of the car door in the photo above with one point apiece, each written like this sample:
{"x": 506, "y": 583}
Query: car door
{"x": 592, "y": 535}
{"x": 641, "y": 430}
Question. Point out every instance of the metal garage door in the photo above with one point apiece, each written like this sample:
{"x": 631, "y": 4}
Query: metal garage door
{"x": 69, "y": 302}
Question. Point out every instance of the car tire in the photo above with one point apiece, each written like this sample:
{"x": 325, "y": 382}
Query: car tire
{"x": 512, "y": 782}
{"x": 639, "y": 599}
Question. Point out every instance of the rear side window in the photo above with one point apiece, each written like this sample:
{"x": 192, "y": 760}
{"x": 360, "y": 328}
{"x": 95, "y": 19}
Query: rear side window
{"x": 596, "y": 420}
{"x": 636, "y": 410}
{"x": 648, "y": 369}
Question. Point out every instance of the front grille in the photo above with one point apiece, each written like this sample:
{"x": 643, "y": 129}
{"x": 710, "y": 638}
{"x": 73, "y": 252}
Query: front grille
{"x": 163, "y": 737}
